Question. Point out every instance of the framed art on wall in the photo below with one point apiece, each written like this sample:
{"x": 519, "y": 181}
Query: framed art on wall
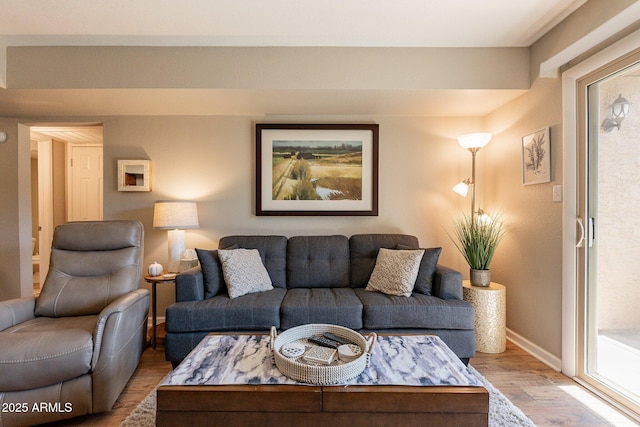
{"x": 536, "y": 157}
{"x": 316, "y": 169}
{"x": 134, "y": 175}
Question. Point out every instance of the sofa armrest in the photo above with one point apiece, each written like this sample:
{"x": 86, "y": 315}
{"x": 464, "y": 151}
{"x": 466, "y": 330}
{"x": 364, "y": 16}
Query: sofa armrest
{"x": 447, "y": 283}
{"x": 190, "y": 285}
{"x": 15, "y": 311}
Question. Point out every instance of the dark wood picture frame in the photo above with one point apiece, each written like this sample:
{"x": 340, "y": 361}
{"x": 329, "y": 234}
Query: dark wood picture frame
{"x": 288, "y": 156}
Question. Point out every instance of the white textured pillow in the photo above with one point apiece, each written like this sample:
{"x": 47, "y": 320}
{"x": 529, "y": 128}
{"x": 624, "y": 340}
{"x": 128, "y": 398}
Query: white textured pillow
{"x": 395, "y": 271}
{"x": 244, "y": 272}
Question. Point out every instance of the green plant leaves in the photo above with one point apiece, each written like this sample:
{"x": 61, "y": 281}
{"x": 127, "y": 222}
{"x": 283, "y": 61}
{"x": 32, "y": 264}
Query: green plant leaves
{"x": 477, "y": 242}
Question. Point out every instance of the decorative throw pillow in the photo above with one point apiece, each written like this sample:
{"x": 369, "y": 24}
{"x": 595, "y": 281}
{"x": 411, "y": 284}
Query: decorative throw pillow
{"x": 244, "y": 272}
{"x": 395, "y": 271}
{"x": 211, "y": 272}
{"x": 424, "y": 281}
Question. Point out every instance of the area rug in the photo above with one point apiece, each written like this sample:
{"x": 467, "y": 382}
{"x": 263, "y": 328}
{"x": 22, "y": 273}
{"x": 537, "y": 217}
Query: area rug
{"x": 502, "y": 413}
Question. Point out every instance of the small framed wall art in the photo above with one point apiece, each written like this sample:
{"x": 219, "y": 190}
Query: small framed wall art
{"x": 134, "y": 175}
{"x": 317, "y": 169}
{"x": 536, "y": 157}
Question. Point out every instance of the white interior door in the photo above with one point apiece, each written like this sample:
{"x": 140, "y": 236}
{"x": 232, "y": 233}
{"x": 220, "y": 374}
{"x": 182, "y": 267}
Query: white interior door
{"x": 85, "y": 183}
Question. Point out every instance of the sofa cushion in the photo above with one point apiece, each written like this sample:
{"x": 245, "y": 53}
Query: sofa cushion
{"x": 338, "y": 306}
{"x": 364, "y": 251}
{"x": 273, "y": 251}
{"x": 46, "y": 324}
{"x": 318, "y": 262}
{"x": 395, "y": 272}
{"x": 45, "y": 351}
{"x": 244, "y": 272}
{"x": 257, "y": 311}
{"x": 382, "y": 311}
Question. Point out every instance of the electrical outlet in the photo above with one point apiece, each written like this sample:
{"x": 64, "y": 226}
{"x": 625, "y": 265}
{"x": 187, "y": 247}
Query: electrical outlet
{"x": 557, "y": 193}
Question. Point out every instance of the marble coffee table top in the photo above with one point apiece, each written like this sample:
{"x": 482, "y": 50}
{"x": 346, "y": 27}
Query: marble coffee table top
{"x": 411, "y": 360}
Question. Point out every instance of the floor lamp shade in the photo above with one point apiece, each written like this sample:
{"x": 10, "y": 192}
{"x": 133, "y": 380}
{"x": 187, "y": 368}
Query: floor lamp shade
{"x": 175, "y": 216}
{"x": 472, "y": 142}
{"x": 476, "y": 140}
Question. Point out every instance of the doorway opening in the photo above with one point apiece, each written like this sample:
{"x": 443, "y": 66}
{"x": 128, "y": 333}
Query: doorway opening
{"x": 66, "y": 184}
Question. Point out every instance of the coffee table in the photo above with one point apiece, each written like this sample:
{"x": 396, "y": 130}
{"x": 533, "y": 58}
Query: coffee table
{"x": 413, "y": 380}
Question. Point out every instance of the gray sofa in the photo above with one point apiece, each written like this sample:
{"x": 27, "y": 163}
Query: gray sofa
{"x": 319, "y": 279}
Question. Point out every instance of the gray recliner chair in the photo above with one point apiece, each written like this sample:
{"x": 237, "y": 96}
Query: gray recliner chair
{"x": 72, "y": 350}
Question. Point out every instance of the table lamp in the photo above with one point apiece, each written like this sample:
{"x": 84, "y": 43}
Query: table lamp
{"x": 175, "y": 216}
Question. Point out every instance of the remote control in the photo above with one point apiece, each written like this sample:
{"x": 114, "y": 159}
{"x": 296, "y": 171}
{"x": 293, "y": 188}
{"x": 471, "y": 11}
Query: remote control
{"x": 332, "y": 337}
{"x": 322, "y": 341}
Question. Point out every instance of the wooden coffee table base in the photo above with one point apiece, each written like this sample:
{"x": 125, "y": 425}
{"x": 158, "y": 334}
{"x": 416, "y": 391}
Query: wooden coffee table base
{"x": 334, "y": 406}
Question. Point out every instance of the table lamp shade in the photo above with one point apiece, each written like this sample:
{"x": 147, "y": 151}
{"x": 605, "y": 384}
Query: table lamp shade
{"x": 169, "y": 214}
{"x": 175, "y": 216}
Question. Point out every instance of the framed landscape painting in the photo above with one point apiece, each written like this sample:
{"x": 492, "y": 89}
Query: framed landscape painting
{"x": 316, "y": 169}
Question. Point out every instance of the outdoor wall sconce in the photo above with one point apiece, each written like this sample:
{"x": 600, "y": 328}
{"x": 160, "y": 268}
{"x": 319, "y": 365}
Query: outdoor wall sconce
{"x": 618, "y": 110}
{"x": 3, "y": 137}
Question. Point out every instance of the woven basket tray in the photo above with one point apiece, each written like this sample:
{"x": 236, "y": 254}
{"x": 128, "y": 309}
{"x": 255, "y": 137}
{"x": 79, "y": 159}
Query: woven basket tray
{"x": 336, "y": 373}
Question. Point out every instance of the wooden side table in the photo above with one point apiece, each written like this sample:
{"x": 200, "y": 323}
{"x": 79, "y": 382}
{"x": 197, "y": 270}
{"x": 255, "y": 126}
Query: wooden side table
{"x": 154, "y": 280}
{"x": 490, "y": 303}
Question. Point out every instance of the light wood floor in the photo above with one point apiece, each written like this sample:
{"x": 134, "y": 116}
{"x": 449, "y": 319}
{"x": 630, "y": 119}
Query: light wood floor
{"x": 540, "y": 392}
{"x": 547, "y": 397}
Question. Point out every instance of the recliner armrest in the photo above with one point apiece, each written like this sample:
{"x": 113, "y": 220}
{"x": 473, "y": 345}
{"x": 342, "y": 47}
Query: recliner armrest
{"x": 447, "y": 283}
{"x": 119, "y": 339}
{"x": 190, "y": 285}
{"x": 118, "y": 323}
{"x": 16, "y": 311}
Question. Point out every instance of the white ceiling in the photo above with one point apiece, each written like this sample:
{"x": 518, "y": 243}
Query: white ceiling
{"x": 410, "y": 23}
{"x": 366, "y": 23}
{"x": 74, "y": 134}
{"x": 89, "y": 134}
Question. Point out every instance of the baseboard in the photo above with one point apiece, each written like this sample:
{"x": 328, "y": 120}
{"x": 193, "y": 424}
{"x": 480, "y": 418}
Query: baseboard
{"x": 159, "y": 320}
{"x": 539, "y": 353}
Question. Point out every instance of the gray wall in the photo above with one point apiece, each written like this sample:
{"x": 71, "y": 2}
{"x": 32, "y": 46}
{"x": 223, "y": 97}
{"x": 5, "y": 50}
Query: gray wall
{"x": 15, "y": 211}
{"x": 529, "y": 261}
{"x": 212, "y": 160}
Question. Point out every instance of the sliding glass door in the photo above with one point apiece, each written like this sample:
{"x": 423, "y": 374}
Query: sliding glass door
{"x": 609, "y": 189}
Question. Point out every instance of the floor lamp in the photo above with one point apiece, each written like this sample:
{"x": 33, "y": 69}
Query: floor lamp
{"x": 472, "y": 142}
{"x": 175, "y": 216}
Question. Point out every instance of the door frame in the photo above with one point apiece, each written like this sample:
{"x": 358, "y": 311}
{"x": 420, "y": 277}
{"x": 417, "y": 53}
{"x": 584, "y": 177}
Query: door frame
{"x": 570, "y": 79}
{"x": 45, "y": 205}
{"x": 574, "y": 269}
{"x": 46, "y": 217}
